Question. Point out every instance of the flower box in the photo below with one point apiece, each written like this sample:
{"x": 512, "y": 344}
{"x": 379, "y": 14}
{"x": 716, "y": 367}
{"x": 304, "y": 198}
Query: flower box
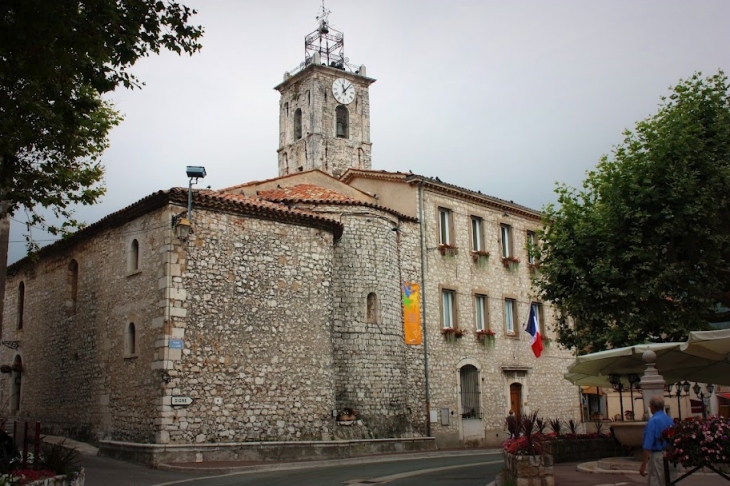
{"x": 6, "y": 369}
{"x": 485, "y": 336}
{"x": 510, "y": 262}
{"x": 448, "y": 250}
{"x": 479, "y": 256}
{"x": 450, "y": 333}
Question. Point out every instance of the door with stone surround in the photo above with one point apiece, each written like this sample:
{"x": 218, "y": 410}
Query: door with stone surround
{"x": 515, "y": 398}
{"x": 471, "y": 414}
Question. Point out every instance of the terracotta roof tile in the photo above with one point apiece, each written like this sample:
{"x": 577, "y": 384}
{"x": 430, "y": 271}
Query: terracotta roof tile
{"x": 304, "y": 192}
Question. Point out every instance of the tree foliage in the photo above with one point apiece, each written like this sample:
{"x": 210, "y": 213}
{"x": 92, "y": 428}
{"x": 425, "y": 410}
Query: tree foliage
{"x": 57, "y": 59}
{"x": 642, "y": 252}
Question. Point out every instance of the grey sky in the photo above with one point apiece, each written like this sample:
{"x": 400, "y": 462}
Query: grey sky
{"x": 505, "y": 97}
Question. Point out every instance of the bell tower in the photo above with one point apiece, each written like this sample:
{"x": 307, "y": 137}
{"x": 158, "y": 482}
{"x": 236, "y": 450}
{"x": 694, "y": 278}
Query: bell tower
{"x": 324, "y": 109}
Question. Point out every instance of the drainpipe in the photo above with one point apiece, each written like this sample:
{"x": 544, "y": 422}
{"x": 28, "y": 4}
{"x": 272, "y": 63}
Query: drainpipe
{"x": 423, "y": 306}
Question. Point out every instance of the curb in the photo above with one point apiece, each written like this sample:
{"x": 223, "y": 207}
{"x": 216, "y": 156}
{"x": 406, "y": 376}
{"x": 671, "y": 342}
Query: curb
{"x": 284, "y": 466}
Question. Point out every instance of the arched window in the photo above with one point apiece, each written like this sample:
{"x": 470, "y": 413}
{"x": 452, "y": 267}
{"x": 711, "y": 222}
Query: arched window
{"x": 72, "y": 287}
{"x": 134, "y": 256}
{"x": 372, "y": 311}
{"x": 298, "y": 124}
{"x": 343, "y": 122}
{"x": 130, "y": 340}
{"x": 21, "y": 304}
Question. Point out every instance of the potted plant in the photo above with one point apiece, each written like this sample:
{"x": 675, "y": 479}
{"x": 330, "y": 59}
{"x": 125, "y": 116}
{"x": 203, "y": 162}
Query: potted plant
{"x": 450, "y": 333}
{"x": 510, "y": 261}
{"x": 696, "y": 443}
{"x": 525, "y": 460}
{"x": 448, "y": 250}
{"x": 485, "y": 336}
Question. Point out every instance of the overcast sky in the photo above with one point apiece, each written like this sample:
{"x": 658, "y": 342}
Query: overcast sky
{"x": 505, "y": 97}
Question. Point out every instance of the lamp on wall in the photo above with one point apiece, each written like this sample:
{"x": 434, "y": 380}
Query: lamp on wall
{"x": 181, "y": 223}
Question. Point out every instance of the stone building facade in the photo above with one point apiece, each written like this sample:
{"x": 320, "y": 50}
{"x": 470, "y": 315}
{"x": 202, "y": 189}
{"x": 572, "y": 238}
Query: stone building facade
{"x": 284, "y": 306}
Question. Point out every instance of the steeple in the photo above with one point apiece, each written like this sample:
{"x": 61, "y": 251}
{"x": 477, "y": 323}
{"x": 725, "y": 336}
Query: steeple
{"x": 324, "y": 109}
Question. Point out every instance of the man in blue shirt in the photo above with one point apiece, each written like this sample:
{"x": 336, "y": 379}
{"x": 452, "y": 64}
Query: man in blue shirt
{"x": 653, "y": 444}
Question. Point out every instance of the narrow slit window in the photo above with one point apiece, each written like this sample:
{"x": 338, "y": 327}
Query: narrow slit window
{"x": 130, "y": 342}
{"x": 21, "y": 304}
{"x": 298, "y": 124}
{"x": 343, "y": 122}
{"x": 134, "y": 256}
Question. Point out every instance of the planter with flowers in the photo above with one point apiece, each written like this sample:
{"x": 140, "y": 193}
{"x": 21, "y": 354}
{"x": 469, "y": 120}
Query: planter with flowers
{"x": 451, "y": 334}
{"x": 480, "y": 257}
{"x": 534, "y": 266}
{"x": 696, "y": 443}
{"x": 525, "y": 460}
{"x": 485, "y": 336}
{"x": 6, "y": 369}
{"x": 545, "y": 341}
{"x": 510, "y": 262}
{"x": 448, "y": 250}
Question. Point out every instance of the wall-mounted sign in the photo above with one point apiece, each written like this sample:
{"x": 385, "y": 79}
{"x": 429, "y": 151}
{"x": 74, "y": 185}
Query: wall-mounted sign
{"x": 175, "y": 344}
{"x": 182, "y": 400}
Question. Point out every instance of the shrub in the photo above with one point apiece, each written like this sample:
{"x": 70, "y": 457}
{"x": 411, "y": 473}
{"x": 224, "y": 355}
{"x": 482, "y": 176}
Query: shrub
{"x": 696, "y": 442}
{"x": 556, "y": 425}
{"x": 60, "y": 459}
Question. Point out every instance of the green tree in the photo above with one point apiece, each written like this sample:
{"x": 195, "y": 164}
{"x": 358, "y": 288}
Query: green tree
{"x": 57, "y": 59}
{"x": 642, "y": 252}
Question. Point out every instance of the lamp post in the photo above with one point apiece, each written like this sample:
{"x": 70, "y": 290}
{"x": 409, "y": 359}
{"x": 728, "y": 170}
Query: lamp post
{"x": 633, "y": 383}
{"x": 679, "y": 387}
{"x": 181, "y": 224}
{"x": 615, "y": 381}
{"x": 700, "y": 394}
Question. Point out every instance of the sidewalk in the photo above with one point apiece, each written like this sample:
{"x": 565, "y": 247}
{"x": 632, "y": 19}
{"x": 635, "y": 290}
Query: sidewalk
{"x": 578, "y": 474}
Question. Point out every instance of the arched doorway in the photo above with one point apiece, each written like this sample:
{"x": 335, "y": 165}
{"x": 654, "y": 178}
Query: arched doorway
{"x": 15, "y": 385}
{"x": 515, "y": 398}
{"x": 471, "y": 413}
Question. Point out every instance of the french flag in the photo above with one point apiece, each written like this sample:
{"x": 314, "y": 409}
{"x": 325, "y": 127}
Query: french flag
{"x": 534, "y": 331}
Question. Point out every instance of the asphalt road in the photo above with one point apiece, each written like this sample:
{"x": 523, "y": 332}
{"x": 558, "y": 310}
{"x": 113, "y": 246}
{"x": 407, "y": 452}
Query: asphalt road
{"x": 432, "y": 470}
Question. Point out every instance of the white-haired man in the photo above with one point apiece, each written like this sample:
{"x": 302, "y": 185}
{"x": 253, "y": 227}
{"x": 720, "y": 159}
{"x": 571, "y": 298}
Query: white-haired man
{"x": 653, "y": 444}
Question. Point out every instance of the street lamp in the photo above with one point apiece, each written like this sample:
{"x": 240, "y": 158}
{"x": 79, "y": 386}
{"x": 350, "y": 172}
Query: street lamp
{"x": 615, "y": 381}
{"x": 180, "y": 223}
{"x": 634, "y": 380}
{"x": 698, "y": 391}
{"x": 679, "y": 388}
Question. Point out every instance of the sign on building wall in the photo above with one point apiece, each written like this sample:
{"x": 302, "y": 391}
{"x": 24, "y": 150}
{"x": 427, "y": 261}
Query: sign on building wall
{"x": 412, "y": 313}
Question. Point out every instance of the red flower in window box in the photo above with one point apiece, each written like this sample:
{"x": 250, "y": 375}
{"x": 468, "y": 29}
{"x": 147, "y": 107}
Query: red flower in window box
{"x": 450, "y": 250}
{"x": 485, "y": 335}
{"x": 450, "y": 333}
{"x": 509, "y": 261}
{"x": 476, "y": 255}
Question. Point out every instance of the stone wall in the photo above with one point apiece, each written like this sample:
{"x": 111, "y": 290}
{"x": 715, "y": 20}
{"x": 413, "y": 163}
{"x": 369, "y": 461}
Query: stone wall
{"x": 371, "y": 357}
{"x": 256, "y": 326}
{"x": 78, "y": 378}
{"x": 509, "y": 359}
{"x": 319, "y": 147}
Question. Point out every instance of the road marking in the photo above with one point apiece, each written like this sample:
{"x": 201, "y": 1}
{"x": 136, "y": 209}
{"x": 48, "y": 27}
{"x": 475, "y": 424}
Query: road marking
{"x": 333, "y": 463}
{"x": 394, "y": 477}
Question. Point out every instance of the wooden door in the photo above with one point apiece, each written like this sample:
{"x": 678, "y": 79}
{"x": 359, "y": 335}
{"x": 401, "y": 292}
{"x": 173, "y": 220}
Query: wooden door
{"x": 515, "y": 398}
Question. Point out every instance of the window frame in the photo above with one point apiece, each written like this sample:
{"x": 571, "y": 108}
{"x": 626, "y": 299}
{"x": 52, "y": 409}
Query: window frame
{"x": 484, "y": 311}
{"x": 342, "y": 114}
{"x": 531, "y": 238}
{"x": 513, "y": 321}
{"x": 130, "y": 340}
{"x": 445, "y": 228}
{"x": 453, "y": 308}
{"x": 506, "y": 240}
{"x": 477, "y": 234}
{"x": 540, "y": 317}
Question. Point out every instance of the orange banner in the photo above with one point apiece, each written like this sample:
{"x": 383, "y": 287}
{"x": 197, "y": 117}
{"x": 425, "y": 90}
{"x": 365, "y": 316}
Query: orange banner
{"x": 412, "y": 313}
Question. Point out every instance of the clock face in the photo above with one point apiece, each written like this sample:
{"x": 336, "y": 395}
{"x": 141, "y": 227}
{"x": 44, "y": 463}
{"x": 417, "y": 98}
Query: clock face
{"x": 343, "y": 90}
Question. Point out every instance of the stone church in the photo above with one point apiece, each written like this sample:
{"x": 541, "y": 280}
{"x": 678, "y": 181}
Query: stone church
{"x": 332, "y": 302}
